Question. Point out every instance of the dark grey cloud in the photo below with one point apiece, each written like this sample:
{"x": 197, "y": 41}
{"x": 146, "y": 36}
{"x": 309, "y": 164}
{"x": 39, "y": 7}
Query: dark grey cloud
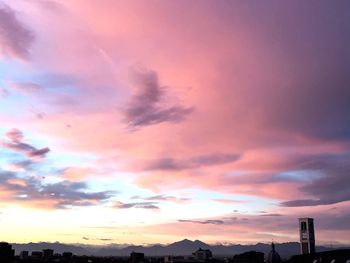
{"x": 215, "y": 158}
{"x": 311, "y": 93}
{"x": 39, "y": 152}
{"x": 330, "y": 187}
{"x": 271, "y": 214}
{"x": 73, "y": 194}
{"x": 228, "y": 220}
{"x": 15, "y": 143}
{"x": 143, "y": 205}
{"x": 326, "y": 219}
{"x": 167, "y": 164}
{"x": 302, "y": 202}
{"x": 32, "y": 187}
{"x": 62, "y": 194}
{"x": 15, "y": 38}
{"x": 146, "y": 106}
{"x": 204, "y": 222}
{"x": 339, "y": 221}
{"x": 19, "y": 146}
{"x": 198, "y": 161}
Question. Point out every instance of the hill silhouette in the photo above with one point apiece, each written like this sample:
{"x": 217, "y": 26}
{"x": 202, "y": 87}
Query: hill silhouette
{"x": 183, "y": 247}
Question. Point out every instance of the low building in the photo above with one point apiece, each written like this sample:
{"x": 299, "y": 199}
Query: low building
{"x": 47, "y": 253}
{"x": 37, "y": 255}
{"x": 180, "y": 259}
{"x": 202, "y": 255}
{"x": 136, "y": 257}
{"x": 7, "y": 254}
{"x": 248, "y": 257}
{"x": 67, "y": 255}
{"x": 332, "y": 256}
{"x": 24, "y": 254}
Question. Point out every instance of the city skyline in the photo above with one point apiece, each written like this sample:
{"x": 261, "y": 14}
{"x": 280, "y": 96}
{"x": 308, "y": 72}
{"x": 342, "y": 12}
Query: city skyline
{"x": 144, "y": 122}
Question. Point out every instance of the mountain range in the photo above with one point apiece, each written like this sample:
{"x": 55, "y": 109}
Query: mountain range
{"x": 183, "y": 247}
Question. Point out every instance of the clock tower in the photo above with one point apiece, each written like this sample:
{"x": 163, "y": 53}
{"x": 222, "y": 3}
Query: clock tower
{"x": 307, "y": 235}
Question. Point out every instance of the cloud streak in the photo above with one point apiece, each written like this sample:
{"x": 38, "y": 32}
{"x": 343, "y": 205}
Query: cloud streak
{"x": 145, "y": 107}
{"x": 15, "y": 38}
{"x": 142, "y": 205}
{"x": 330, "y": 187}
{"x": 162, "y": 198}
{"x": 16, "y": 144}
{"x": 205, "y": 222}
{"x": 60, "y": 195}
{"x": 194, "y": 162}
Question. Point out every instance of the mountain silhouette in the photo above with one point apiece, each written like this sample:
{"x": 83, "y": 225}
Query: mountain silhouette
{"x": 183, "y": 247}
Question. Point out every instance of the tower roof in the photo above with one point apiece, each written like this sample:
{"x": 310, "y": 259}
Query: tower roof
{"x": 305, "y": 218}
{"x": 273, "y": 256}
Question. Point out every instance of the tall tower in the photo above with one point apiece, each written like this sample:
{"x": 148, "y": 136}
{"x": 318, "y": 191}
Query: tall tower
{"x": 307, "y": 235}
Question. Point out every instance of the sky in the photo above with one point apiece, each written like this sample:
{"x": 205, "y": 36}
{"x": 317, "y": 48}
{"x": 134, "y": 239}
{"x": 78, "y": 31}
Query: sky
{"x": 142, "y": 122}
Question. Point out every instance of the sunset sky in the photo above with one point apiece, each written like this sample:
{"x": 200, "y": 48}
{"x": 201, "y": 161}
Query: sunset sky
{"x": 151, "y": 121}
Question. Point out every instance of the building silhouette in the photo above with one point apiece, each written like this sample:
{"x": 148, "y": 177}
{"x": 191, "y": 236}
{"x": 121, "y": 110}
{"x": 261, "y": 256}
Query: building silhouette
{"x": 24, "y": 254}
{"x": 37, "y": 255}
{"x": 307, "y": 235}
{"x": 48, "y": 253}
{"x": 202, "y": 254}
{"x": 67, "y": 255}
{"x": 248, "y": 257}
{"x": 199, "y": 256}
{"x": 332, "y": 256}
{"x": 136, "y": 257}
{"x": 6, "y": 252}
{"x": 273, "y": 256}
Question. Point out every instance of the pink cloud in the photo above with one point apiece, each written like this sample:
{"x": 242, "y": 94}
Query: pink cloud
{"x": 78, "y": 173}
{"x": 330, "y": 224}
{"x": 15, "y": 38}
{"x": 231, "y": 101}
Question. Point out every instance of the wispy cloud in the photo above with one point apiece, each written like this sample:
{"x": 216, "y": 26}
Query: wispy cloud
{"x": 271, "y": 214}
{"x": 161, "y": 198}
{"x": 142, "y": 205}
{"x": 63, "y": 194}
{"x": 190, "y": 163}
{"x": 17, "y": 144}
{"x": 15, "y": 38}
{"x": 146, "y": 106}
{"x": 26, "y": 87}
{"x": 204, "y": 222}
{"x": 330, "y": 187}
